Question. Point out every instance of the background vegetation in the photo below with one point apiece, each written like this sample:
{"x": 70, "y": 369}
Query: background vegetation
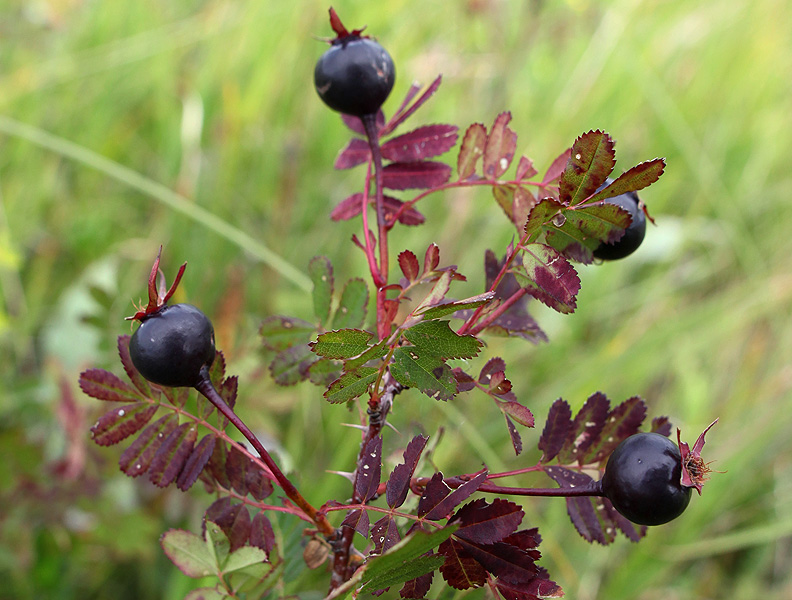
{"x": 194, "y": 124}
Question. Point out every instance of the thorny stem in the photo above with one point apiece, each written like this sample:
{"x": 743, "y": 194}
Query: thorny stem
{"x": 206, "y": 388}
{"x": 342, "y": 569}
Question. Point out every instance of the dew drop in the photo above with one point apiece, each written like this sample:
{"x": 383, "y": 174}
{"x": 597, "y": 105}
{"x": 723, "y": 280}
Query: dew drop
{"x": 121, "y": 412}
{"x": 559, "y": 220}
{"x": 577, "y": 156}
{"x": 504, "y": 163}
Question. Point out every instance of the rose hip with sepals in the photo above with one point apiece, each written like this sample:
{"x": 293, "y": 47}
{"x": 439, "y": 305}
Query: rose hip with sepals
{"x": 649, "y": 479}
{"x": 173, "y": 343}
{"x": 356, "y": 74}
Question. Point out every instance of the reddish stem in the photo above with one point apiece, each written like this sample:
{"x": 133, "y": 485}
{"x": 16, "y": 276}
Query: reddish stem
{"x": 592, "y": 489}
{"x": 370, "y": 125}
{"x": 206, "y": 388}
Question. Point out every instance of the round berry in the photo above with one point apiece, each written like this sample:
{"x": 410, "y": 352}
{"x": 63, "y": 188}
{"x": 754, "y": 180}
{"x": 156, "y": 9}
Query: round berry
{"x": 633, "y": 235}
{"x": 643, "y": 479}
{"x": 172, "y": 345}
{"x": 355, "y": 75}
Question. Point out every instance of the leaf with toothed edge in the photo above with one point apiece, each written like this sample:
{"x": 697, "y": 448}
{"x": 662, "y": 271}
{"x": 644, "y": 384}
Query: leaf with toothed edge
{"x": 279, "y": 333}
{"x": 415, "y": 175}
{"x": 291, "y": 365}
{"x": 358, "y": 520}
{"x": 351, "y": 311}
{"x": 586, "y": 428}
{"x": 172, "y": 455}
{"x": 471, "y": 150}
{"x": 552, "y": 278}
{"x": 622, "y": 422}
{"x": 590, "y": 162}
{"x": 500, "y": 147}
{"x": 351, "y": 384}
{"x": 438, "y": 338}
{"x": 103, "y": 385}
{"x": 424, "y": 370}
{"x": 120, "y": 423}
{"x": 369, "y": 470}
{"x": 556, "y": 430}
{"x": 399, "y": 482}
{"x": 421, "y": 143}
{"x": 196, "y": 462}
{"x": 384, "y": 534}
{"x": 135, "y": 460}
{"x": 321, "y": 273}
{"x": 342, "y": 343}
{"x": 355, "y": 153}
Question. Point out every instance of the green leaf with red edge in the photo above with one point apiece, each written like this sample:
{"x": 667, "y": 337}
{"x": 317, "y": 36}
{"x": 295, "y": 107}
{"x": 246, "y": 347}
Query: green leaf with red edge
{"x": 577, "y": 232}
{"x": 622, "y": 422}
{"x": 189, "y": 553}
{"x": 291, "y": 365}
{"x": 421, "y": 143}
{"x": 351, "y": 311}
{"x": 637, "y": 178}
{"x": 233, "y": 519}
{"x": 449, "y": 308}
{"x": 472, "y": 149}
{"x": 438, "y": 338}
{"x": 374, "y": 352}
{"x": 342, "y": 343}
{"x": 516, "y": 202}
{"x": 540, "y": 214}
{"x": 321, "y": 273}
{"x": 586, "y": 428}
{"x": 417, "y": 368}
{"x": 500, "y": 147}
{"x": 136, "y": 378}
{"x": 120, "y": 423}
{"x": 590, "y": 162}
{"x": 350, "y": 385}
{"x": 556, "y": 430}
{"x": 324, "y": 372}
{"x": 103, "y": 385}
{"x": 172, "y": 455}
{"x": 552, "y": 278}
{"x": 135, "y": 460}
{"x": 279, "y": 332}
{"x": 196, "y": 462}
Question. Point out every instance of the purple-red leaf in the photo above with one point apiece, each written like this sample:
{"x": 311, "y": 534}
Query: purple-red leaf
{"x": 258, "y": 486}
{"x": 525, "y": 168}
{"x": 103, "y": 385}
{"x": 507, "y": 562}
{"x": 556, "y": 430}
{"x": 415, "y": 175}
{"x": 500, "y": 147}
{"x": 348, "y": 208}
{"x": 172, "y": 455}
{"x": 472, "y": 148}
{"x": 417, "y": 588}
{"x": 368, "y": 472}
{"x": 661, "y": 425}
{"x": 485, "y": 523}
{"x": 553, "y": 279}
{"x": 460, "y": 570}
{"x": 419, "y": 144}
{"x": 588, "y": 514}
{"x": 556, "y": 168}
{"x": 196, "y": 462}
{"x": 120, "y": 423}
{"x": 443, "y": 508}
{"x": 514, "y": 435}
{"x": 431, "y": 258}
{"x": 585, "y": 429}
{"x": 399, "y": 482}
{"x": 590, "y": 162}
{"x": 236, "y": 466}
{"x": 384, "y": 534}
{"x": 135, "y": 460}
{"x": 358, "y": 520}
{"x": 355, "y": 153}
{"x": 233, "y": 519}
{"x": 433, "y": 494}
{"x": 408, "y": 263}
{"x": 261, "y": 533}
{"x": 403, "y": 114}
{"x": 622, "y": 422}
{"x": 393, "y": 206}
{"x": 518, "y": 412}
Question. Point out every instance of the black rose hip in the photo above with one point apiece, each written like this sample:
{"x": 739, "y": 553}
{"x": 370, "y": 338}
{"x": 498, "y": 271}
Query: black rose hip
{"x": 172, "y": 345}
{"x": 355, "y": 75}
{"x": 633, "y": 235}
{"x": 643, "y": 479}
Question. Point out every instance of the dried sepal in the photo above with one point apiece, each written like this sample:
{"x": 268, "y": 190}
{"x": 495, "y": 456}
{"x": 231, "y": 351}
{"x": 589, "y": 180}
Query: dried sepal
{"x": 694, "y": 470}
{"x": 158, "y": 295}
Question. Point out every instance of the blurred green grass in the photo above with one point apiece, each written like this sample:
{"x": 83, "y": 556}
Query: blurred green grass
{"x": 112, "y": 112}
